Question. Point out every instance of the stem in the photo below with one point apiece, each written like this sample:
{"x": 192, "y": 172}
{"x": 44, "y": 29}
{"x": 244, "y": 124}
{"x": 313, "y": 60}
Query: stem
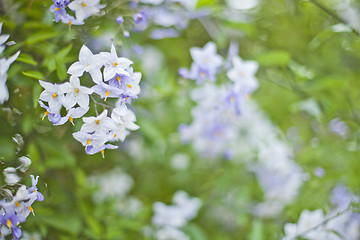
{"x": 332, "y": 14}
{"x": 350, "y": 207}
{"x": 102, "y": 104}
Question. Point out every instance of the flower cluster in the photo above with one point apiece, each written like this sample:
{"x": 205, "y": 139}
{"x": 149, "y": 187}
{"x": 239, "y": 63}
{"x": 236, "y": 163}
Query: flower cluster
{"x": 315, "y": 225}
{"x": 171, "y": 16}
{"x": 227, "y": 123}
{"x": 4, "y": 66}
{"x": 82, "y": 8}
{"x": 17, "y": 208}
{"x": 118, "y": 80}
{"x": 170, "y": 219}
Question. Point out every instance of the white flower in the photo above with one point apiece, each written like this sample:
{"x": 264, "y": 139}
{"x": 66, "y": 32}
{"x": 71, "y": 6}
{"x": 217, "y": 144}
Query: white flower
{"x": 170, "y": 216}
{"x": 168, "y": 233}
{"x": 189, "y": 206}
{"x": 76, "y": 94}
{"x": 4, "y": 67}
{"x": 88, "y": 62}
{"x": 306, "y": 226}
{"x": 206, "y": 56}
{"x": 243, "y": 74}
{"x": 72, "y": 114}
{"x": 114, "y": 65}
{"x": 87, "y": 139}
{"x": 52, "y": 94}
{"x": 124, "y": 119}
{"x": 100, "y": 124}
{"x": 85, "y": 8}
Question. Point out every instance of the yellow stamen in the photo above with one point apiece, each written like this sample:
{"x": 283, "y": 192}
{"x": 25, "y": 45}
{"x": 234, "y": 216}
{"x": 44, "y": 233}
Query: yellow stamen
{"x": 242, "y": 74}
{"x": 232, "y": 99}
{"x": 114, "y": 134}
{"x": 202, "y": 74}
{"x": 57, "y": 9}
{"x": 45, "y": 114}
{"x": 102, "y": 153}
{"x": 17, "y": 204}
{"x": 107, "y": 93}
{"x": 127, "y": 98}
{"x": 97, "y": 122}
{"x": 71, "y": 120}
{"x": 83, "y": 4}
{"x": 88, "y": 142}
{"x": 31, "y": 210}
{"x": 54, "y": 95}
{"x": 115, "y": 64}
{"x": 118, "y": 78}
{"x": 129, "y": 86}
{"x": 8, "y": 223}
{"x": 70, "y": 23}
{"x": 76, "y": 90}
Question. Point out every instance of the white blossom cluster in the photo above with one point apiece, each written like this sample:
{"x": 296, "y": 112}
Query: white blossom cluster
{"x": 227, "y": 123}
{"x": 314, "y": 225}
{"x": 170, "y": 219}
{"x": 117, "y": 80}
{"x": 4, "y": 66}
{"x": 82, "y": 8}
{"x": 15, "y": 207}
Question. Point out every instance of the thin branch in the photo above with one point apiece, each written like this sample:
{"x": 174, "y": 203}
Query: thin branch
{"x": 101, "y": 104}
{"x": 335, "y": 16}
{"x": 349, "y": 208}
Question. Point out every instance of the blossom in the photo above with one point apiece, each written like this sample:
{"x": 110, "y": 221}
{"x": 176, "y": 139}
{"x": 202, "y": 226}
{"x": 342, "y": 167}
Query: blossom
{"x": 206, "y": 56}
{"x": 100, "y": 124}
{"x": 139, "y": 18}
{"x": 4, "y": 67}
{"x": 11, "y": 220}
{"x": 167, "y": 233}
{"x": 120, "y": 19}
{"x": 54, "y": 117}
{"x": 113, "y": 64}
{"x": 72, "y": 114}
{"x": 76, "y": 94}
{"x": 58, "y": 8}
{"x": 52, "y": 94}
{"x": 88, "y": 62}
{"x": 243, "y": 74}
{"x": 105, "y": 91}
{"x": 85, "y": 8}
{"x": 124, "y": 120}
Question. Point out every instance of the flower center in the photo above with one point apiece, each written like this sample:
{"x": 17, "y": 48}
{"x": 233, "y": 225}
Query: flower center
{"x": 17, "y": 204}
{"x": 88, "y": 142}
{"x": 57, "y": 9}
{"x": 8, "y": 223}
{"x": 107, "y": 93}
{"x": 202, "y": 74}
{"x": 97, "y": 122}
{"x": 118, "y": 78}
{"x": 115, "y": 64}
{"x": 76, "y": 90}
{"x": 54, "y": 95}
{"x": 31, "y": 209}
{"x": 83, "y": 4}
{"x": 129, "y": 86}
{"x": 69, "y": 23}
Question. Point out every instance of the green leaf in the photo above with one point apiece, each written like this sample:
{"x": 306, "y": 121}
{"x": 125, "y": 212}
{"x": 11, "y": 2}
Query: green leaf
{"x": 273, "y": 58}
{"x": 67, "y": 223}
{"x": 195, "y": 232}
{"x": 41, "y": 36}
{"x": 61, "y": 70}
{"x": 205, "y": 3}
{"x": 26, "y": 58}
{"x": 34, "y": 74}
{"x": 63, "y": 52}
{"x": 36, "y": 94}
{"x": 256, "y": 232}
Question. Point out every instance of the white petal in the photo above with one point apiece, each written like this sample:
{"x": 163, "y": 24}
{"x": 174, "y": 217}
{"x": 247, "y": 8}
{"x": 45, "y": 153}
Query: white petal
{"x": 76, "y": 69}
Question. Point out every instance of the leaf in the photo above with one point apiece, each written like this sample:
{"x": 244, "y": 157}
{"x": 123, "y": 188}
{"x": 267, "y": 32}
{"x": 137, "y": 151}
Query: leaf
{"x": 256, "y": 232}
{"x": 68, "y": 223}
{"x": 41, "y": 36}
{"x": 273, "y": 58}
{"x": 26, "y": 58}
{"x": 205, "y": 3}
{"x": 36, "y": 94}
{"x": 195, "y": 232}
{"x": 63, "y": 52}
{"x": 34, "y": 74}
{"x": 61, "y": 70}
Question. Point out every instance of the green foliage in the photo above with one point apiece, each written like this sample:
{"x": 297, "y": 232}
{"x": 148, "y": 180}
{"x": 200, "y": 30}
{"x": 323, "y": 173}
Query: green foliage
{"x": 301, "y": 58}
